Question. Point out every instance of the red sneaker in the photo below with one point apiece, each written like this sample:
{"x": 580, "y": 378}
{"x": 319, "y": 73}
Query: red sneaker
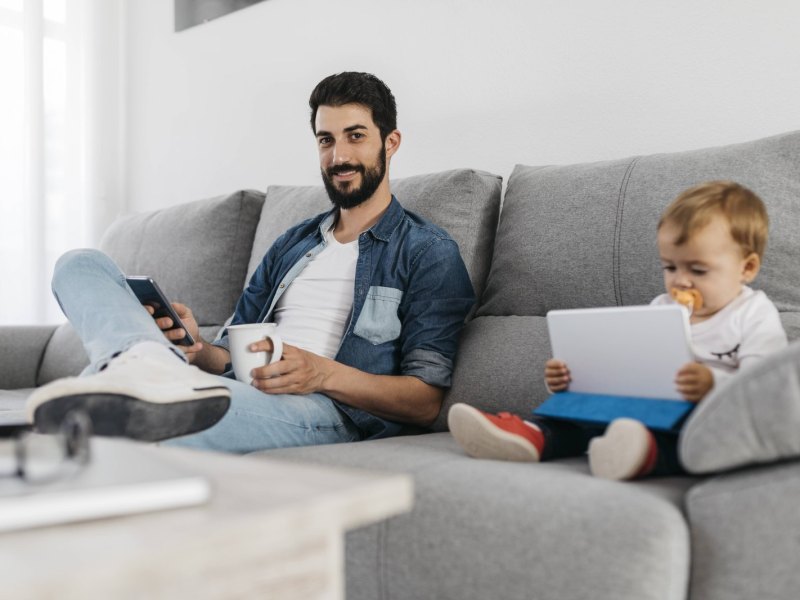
{"x": 627, "y": 450}
{"x": 502, "y": 437}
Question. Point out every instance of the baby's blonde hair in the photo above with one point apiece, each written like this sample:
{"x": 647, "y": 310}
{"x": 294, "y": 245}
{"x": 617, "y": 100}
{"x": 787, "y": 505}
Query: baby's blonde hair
{"x": 694, "y": 208}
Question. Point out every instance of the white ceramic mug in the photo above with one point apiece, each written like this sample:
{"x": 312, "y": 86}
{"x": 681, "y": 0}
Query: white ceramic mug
{"x": 245, "y": 360}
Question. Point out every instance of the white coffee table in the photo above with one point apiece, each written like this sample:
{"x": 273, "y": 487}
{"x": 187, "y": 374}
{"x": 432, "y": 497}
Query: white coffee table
{"x": 272, "y": 529}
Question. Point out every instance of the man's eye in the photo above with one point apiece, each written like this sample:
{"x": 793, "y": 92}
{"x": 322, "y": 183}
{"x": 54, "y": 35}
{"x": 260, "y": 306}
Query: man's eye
{"x": 356, "y": 136}
{"x": 324, "y": 141}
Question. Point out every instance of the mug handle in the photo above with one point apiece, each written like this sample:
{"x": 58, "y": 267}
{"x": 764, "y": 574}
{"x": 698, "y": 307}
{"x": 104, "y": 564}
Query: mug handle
{"x": 277, "y": 347}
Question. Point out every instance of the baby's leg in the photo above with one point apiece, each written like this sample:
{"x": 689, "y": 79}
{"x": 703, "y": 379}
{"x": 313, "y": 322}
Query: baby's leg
{"x": 564, "y": 439}
{"x": 629, "y": 450}
{"x": 505, "y": 436}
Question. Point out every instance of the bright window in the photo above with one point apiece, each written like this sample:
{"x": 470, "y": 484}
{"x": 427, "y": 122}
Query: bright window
{"x": 42, "y": 210}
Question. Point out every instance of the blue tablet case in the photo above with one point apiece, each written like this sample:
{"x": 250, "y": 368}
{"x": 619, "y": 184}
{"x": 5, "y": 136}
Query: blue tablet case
{"x": 598, "y": 409}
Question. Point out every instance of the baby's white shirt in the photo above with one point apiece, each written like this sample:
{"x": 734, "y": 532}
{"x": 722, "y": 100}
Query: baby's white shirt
{"x": 314, "y": 311}
{"x": 745, "y": 330}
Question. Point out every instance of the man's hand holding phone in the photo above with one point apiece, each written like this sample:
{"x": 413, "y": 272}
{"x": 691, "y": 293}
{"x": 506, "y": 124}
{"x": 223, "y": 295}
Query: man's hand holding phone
{"x": 174, "y": 319}
{"x": 187, "y": 318}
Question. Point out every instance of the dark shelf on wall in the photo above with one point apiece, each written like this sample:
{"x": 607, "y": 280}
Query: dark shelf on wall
{"x": 189, "y": 13}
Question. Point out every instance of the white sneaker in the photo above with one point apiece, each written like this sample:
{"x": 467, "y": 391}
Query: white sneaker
{"x": 139, "y": 395}
{"x": 627, "y": 450}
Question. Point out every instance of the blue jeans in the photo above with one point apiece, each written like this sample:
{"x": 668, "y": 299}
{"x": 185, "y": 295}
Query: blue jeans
{"x": 91, "y": 290}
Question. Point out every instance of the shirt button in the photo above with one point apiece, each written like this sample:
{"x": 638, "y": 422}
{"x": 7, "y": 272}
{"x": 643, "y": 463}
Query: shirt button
{"x": 308, "y": 255}
{"x": 283, "y": 285}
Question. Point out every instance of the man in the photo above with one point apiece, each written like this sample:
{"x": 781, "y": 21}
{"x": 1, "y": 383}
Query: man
{"x": 356, "y": 364}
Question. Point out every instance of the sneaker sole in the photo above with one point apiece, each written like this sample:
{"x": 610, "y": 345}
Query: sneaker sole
{"x": 621, "y": 452}
{"x": 481, "y": 439}
{"x": 118, "y": 415}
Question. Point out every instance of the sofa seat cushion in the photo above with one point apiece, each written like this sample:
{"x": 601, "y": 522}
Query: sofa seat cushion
{"x": 489, "y": 529}
{"x": 744, "y": 528}
{"x": 464, "y": 202}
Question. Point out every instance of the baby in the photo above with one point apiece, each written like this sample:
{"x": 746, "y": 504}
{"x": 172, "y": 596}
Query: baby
{"x": 711, "y": 240}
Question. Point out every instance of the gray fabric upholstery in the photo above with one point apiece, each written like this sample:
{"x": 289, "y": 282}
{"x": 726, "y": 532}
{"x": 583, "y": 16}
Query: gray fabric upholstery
{"x": 489, "y": 529}
{"x": 744, "y": 529}
{"x": 754, "y": 417}
{"x": 499, "y": 366}
{"x": 21, "y": 351}
{"x": 284, "y": 206}
{"x": 584, "y": 235}
{"x": 791, "y": 323}
{"x": 64, "y": 356}
{"x": 466, "y": 203}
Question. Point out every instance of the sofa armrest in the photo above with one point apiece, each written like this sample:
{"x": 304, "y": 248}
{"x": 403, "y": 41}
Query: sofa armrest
{"x": 752, "y": 418}
{"x": 21, "y": 351}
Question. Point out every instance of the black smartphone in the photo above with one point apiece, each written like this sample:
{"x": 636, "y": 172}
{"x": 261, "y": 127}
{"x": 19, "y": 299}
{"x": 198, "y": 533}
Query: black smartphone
{"x": 148, "y": 293}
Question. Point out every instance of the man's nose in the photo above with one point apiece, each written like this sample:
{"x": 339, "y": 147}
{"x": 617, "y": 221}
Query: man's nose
{"x": 341, "y": 155}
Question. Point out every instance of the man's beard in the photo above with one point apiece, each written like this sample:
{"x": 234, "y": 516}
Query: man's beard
{"x": 351, "y": 197}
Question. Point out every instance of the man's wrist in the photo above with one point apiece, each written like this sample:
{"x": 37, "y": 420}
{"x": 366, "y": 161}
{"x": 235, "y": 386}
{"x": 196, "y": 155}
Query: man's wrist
{"x": 328, "y": 372}
{"x": 212, "y": 358}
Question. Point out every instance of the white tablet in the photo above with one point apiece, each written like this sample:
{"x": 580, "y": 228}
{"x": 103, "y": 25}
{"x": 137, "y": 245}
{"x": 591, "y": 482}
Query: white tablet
{"x": 622, "y": 351}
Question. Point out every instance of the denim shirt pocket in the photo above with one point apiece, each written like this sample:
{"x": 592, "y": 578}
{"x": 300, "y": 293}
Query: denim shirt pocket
{"x": 379, "y": 322}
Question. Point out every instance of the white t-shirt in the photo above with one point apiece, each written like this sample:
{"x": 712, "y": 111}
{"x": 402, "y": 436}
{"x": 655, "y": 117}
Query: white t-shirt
{"x": 314, "y": 310}
{"x": 745, "y": 330}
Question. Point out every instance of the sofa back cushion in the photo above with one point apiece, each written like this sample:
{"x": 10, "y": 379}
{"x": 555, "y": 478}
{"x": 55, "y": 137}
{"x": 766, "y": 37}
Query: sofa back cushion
{"x": 584, "y": 236}
{"x": 466, "y": 203}
{"x": 197, "y": 252}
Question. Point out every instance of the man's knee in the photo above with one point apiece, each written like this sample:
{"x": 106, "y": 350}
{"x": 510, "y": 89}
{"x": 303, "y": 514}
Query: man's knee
{"x": 83, "y": 260}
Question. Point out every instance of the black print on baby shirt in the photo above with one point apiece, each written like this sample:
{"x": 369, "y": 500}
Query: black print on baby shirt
{"x": 729, "y": 354}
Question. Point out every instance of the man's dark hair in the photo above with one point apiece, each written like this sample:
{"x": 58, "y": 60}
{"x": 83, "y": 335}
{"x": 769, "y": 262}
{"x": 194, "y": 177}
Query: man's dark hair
{"x": 356, "y": 88}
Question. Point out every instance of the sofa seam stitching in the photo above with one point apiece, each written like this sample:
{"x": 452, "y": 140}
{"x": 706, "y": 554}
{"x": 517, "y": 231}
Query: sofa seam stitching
{"x": 616, "y": 258}
{"x": 40, "y": 362}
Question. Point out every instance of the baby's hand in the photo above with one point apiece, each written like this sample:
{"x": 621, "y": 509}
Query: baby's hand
{"x": 694, "y": 381}
{"x": 556, "y": 375}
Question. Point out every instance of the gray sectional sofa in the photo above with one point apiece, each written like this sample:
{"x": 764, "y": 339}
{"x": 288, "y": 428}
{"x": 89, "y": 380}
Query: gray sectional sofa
{"x": 567, "y": 236}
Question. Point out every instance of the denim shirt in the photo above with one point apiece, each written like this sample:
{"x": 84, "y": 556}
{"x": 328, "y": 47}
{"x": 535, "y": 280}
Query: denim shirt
{"x": 411, "y": 296}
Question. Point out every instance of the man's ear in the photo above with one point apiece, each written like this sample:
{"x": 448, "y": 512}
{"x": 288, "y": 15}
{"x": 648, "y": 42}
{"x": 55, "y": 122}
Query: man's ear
{"x": 392, "y": 143}
{"x": 750, "y": 267}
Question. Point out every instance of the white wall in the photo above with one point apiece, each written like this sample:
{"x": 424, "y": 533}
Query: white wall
{"x": 479, "y": 83}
